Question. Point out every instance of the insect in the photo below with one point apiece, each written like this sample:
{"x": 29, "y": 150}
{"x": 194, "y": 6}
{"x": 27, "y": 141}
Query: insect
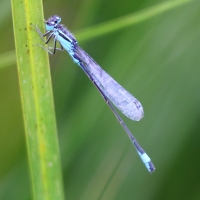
{"x": 111, "y": 91}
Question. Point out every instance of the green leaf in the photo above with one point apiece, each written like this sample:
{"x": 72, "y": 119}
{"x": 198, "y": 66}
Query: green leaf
{"x": 37, "y": 102}
{"x": 129, "y": 20}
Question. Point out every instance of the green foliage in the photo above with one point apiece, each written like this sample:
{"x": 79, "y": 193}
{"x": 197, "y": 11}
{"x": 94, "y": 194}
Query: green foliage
{"x": 157, "y": 60}
{"x": 37, "y": 103}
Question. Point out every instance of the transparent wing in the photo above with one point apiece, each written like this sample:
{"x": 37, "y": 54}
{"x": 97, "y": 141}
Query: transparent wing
{"x": 120, "y": 97}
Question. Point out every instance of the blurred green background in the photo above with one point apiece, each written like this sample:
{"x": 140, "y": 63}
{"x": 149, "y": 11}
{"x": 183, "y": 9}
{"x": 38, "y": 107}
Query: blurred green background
{"x": 158, "y": 61}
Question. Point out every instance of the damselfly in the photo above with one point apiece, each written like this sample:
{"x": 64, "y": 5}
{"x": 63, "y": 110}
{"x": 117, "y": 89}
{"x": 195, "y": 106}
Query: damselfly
{"x": 110, "y": 90}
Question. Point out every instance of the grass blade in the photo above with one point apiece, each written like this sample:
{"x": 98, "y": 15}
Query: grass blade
{"x": 129, "y": 20}
{"x": 37, "y": 102}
